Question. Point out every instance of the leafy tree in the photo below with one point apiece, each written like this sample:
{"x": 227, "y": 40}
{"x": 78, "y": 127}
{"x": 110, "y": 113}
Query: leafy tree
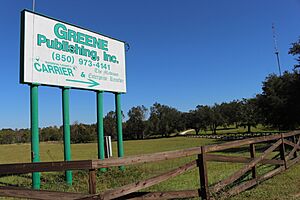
{"x": 136, "y": 123}
{"x": 110, "y": 128}
{"x": 192, "y": 120}
{"x": 279, "y": 101}
{"x": 51, "y": 133}
{"x": 164, "y": 120}
{"x": 7, "y": 136}
{"x": 24, "y": 135}
{"x": 81, "y": 133}
{"x": 230, "y": 113}
{"x": 198, "y": 119}
{"x": 110, "y": 124}
{"x": 295, "y": 50}
{"x": 249, "y": 113}
{"x": 215, "y": 118}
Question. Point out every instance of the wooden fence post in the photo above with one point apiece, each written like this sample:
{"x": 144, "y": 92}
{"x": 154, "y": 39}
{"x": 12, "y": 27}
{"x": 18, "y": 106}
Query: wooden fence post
{"x": 92, "y": 181}
{"x": 201, "y": 162}
{"x": 252, "y": 154}
{"x": 295, "y": 141}
{"x": 282, "y": 151}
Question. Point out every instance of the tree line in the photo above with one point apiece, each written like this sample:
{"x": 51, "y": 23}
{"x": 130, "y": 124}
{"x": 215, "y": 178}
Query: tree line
{"x": 278, "y": 106}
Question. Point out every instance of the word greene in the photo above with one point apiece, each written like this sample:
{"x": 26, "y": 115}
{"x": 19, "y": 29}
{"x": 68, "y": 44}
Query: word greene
{"x": 61, "y": 31}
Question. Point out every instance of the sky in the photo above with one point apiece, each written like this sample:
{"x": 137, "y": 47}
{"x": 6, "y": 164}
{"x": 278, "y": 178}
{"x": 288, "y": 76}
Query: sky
{"x": 183, "y": 53}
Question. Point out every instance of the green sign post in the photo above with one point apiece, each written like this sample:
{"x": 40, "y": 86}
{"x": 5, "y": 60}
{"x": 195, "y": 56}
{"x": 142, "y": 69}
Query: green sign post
{"x": 67, "y": 134}
{"x": 119, "y": 126}
{"x": 35, "y": 150}
{"x": 100, "y": 129}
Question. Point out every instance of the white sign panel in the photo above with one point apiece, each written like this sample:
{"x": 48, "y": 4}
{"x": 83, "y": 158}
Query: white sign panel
{"x": 60, "y": 54}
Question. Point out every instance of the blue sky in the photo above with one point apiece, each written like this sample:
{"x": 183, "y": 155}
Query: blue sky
{"x": 182, "y": 53}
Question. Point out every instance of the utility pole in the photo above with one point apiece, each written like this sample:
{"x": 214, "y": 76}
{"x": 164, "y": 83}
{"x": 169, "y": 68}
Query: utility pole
{"x": 276, "y": 48}
{"x": 33, "y": 5}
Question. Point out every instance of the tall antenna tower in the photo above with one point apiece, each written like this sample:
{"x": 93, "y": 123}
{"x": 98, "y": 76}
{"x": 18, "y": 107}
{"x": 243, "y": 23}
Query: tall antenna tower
{"x": 276, "y": 48}
{"x": 33, "y": 5}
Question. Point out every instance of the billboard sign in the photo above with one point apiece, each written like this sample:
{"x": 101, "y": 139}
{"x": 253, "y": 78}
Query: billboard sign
{"x": 56, "y": 53}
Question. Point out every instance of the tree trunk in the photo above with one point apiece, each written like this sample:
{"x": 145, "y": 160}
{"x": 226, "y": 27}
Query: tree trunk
{"x": 215, "y": 131}
{"x": 249, "y": 128}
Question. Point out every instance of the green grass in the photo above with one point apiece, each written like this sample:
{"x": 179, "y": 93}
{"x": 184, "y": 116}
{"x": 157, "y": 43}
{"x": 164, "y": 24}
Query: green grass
{"x": 289, "y": 181}
{"x": 285, "y": 186}
{"x": 240, "y": 129}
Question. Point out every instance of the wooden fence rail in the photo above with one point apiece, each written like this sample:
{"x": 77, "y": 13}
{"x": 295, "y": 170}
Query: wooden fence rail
{"x": 227, "y": 187}
{"x": 230, "y": 136}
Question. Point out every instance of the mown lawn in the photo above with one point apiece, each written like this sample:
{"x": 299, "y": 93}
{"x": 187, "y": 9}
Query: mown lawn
{"x": 284, "y": 186}
{"x": 234, "y": 129}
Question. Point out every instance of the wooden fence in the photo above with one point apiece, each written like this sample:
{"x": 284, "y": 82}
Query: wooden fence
{"x": 231, "y": 136}
{"x": 284, "y": 145}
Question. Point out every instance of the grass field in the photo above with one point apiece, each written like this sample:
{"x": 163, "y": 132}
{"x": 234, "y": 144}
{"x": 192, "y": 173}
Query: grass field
{"x": 284, "y": 186}
{"x": 234, "y": 129}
